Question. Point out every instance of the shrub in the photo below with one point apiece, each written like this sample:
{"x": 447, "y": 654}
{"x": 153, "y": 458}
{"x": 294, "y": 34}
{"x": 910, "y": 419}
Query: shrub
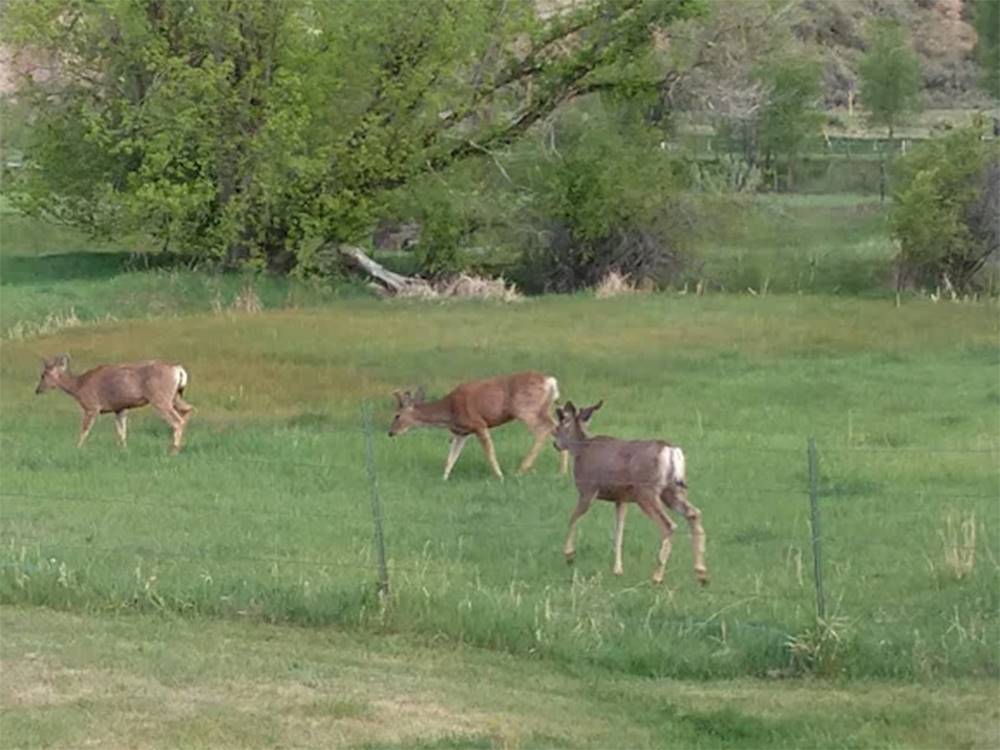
{"x": 947, "y": 206}
{"x": 606, "y": 199}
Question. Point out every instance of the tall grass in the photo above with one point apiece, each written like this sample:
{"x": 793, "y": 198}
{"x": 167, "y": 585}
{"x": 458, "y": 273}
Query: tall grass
{"x": 831, "y": 244}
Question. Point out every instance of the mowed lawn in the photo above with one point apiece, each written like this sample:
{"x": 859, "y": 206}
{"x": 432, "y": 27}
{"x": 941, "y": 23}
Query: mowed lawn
{"x": 149, "y": 681}
{"x": 266, "y": 515}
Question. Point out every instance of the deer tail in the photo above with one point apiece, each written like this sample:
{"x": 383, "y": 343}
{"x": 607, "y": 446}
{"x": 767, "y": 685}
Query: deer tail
{"x": 553, "y": 387}
{"x": 182, "y": 378}
{"x": 678, "y": 468}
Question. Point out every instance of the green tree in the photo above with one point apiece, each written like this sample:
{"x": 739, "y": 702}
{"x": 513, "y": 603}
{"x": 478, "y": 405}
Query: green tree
{"x": 890, "y": 75}
{"x": 790, "y": 114}
{"x": 253, "y": 131}
{"x": 946, "y": 209}
{"x": 986, "y": 16}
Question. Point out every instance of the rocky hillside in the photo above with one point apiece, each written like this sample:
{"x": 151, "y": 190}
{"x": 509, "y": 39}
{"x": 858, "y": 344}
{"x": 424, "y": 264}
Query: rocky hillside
{"x": 942, "y": 35}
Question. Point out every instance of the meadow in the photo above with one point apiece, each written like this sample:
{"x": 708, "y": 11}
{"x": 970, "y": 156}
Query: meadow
{"x": 264, "y": 521}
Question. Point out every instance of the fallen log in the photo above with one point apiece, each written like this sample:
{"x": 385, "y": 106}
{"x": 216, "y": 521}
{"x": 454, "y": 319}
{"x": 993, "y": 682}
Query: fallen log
{"x": 390, "y": 282}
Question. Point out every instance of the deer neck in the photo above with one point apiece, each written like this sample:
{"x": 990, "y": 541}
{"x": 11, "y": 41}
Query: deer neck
{"x": 434, "y": 413}
{"x": 70, "y": 383}
{"x": 578, "y": 440}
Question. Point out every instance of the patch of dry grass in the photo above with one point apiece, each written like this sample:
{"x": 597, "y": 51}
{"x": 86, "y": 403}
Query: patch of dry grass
{"x": 464, "y": 286}
{"x": 51, "y": 323}
{"x": 959, "y": 540}
{"x": 615, "y": 284}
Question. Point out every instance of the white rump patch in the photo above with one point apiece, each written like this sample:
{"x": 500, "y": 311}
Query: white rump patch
{"x": 680, "y": 470}
{"x": 182, "y": 377}
{"x": 553, "y": 385}
{"x": 671, "y": 466}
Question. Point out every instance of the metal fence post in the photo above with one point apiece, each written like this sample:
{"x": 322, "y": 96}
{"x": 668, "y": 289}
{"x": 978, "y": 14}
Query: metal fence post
{"x": 383, "y": 572}
{"x": 814, "y": 503}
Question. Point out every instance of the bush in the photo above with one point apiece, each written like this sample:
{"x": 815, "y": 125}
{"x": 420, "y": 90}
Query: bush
{"x": 606, "y": 199}
{"x": 947, "y": 206}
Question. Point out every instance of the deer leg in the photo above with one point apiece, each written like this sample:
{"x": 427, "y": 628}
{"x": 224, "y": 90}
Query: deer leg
{"x": 176, "y": 422}
{"x": 88, "y": 422}
{"x": 676, "y": 498}
{"x": 529, "y": 459}
{"x": 487, "y": 442}
{"x": 121, "y": 426}
{"x": 650, "y": 505}
{"x": 457, "y": 443}
{"x": 620, "y": 510}
{"x": 582, "y": 506}
{"x": 182, "y": 407}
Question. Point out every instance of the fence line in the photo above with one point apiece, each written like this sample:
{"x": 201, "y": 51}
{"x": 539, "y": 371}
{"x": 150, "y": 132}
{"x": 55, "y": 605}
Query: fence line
{"x": 818, "y": 495}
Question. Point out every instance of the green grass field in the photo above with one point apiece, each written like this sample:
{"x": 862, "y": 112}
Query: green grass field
{"x": 264, "y": 520}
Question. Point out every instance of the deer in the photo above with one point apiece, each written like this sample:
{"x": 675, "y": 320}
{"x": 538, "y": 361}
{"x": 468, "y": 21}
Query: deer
{"x": 475, "y": 407}
{"x": 649, "y": 473}
{"x": 118, "y": 388}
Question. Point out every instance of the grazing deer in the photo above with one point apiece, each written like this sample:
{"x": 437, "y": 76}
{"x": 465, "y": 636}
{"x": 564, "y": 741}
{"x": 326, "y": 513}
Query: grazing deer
{"x": 649, "y": 473}
{"x": 478, "y": 406}
{"x": 117, "y": 388}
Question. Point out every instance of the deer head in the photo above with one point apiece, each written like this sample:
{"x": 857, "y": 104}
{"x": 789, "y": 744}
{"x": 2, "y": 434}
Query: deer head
{"x": 573, "y": 424}
{"x": 52, "y": 371}
{"x": 406, "y": 411}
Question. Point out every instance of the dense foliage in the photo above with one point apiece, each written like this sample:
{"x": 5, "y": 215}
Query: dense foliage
{"x": 606, "y": 199}
{"x": 254, "y": 131}
{"x": 947, "y": 209}
{"x": 987, "y": 21}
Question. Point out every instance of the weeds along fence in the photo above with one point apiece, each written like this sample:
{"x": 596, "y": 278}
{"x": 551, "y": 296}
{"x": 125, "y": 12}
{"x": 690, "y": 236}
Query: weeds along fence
{"x": 877, "y": 560}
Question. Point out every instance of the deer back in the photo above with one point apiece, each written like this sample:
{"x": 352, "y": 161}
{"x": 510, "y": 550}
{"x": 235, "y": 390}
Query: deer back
{"x": 609, "y": 463}
{"x": 117, "y": 387}
{"x": 500, "y": 399}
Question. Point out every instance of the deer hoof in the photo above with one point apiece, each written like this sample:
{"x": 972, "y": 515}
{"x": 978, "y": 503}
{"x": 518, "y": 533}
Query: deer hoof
{"x": 618, "y": 571}
{"x": 702, "y": 577}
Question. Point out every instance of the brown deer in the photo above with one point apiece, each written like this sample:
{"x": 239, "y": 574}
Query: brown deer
{"x": 649, "y": 473}
{"x": 478, "y": 406}
{"x": 117, "y": 388}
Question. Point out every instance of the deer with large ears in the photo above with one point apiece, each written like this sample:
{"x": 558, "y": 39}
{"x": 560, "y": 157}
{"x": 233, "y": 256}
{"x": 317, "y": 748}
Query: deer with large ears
{"x": 118, "y": 388}
{"x": 475, "y": 407}
{"x": 649, "y": 473}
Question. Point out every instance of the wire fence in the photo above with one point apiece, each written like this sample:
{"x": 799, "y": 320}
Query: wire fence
{"x": 801, "y": 540}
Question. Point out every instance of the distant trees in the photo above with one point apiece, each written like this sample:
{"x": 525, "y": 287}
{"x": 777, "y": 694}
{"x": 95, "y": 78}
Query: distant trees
{"x": 790, "y": 114}
{"x": 986, "y": 17}
{"x": 252, "y": 132}
{"x": 890, "y": 74}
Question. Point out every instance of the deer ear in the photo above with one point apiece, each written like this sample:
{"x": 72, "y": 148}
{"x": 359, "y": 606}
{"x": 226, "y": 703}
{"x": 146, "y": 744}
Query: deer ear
{"x": 420, "y": 395}
{"x": 61, "y": 360}
{"x": 570, "y": 409}
{"x": 399, "y": 399}
{"x": 588, "y": 411}
{"x": 560, "y": 414}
